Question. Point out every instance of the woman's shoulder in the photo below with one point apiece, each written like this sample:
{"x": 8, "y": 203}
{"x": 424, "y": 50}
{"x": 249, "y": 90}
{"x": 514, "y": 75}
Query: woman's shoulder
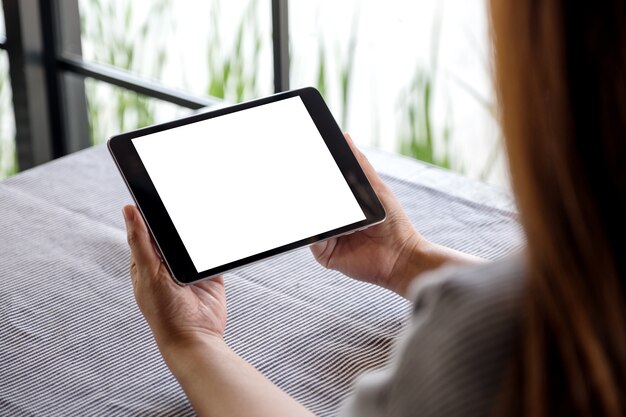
{"x": 453, "y": 355}
{"x": 487, "y": 288}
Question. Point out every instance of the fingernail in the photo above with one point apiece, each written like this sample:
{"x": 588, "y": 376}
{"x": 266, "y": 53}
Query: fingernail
{"x": 128, "y": 215}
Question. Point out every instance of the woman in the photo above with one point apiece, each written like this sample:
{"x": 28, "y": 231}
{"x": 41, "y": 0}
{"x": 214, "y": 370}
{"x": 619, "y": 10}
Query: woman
{"x": 541, "y": 334}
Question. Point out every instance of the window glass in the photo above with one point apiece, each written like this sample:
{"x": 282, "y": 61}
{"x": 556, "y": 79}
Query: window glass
{"x": 409, "y": 77}
{"x": 219, "y": 48}
{"x": 112, "y": 110}
{"x": 3, "y": 31}
{"x": 8, "y": 160}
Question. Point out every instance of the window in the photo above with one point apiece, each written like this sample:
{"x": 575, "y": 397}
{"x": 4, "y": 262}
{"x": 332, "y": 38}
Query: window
{"x": 8, "y": 161}
{"x": 218, "y": 48}
{"x": 81, "y": 90}
{"x": 407, "y": 77}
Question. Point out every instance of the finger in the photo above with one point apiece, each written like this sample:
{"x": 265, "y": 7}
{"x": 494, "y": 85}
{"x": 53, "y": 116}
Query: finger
{"x": 367, "y": 167}
{"x": 322, "y": 251}
{"x": 318, "y": 248}
{"x": 219, "y": 280}
{"x": 133, "y": 271}
{"x": 213, "y": 284}
{"x": 139, "y": 239}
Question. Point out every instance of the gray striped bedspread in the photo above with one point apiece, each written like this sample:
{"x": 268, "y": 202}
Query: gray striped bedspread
{"x": 72, "y": 341}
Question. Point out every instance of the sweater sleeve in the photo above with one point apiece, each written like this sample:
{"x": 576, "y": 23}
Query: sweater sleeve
{"x": 452, "y": 358}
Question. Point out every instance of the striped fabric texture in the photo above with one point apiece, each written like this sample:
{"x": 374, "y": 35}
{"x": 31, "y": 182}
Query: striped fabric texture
{"x": 72, "y": 341}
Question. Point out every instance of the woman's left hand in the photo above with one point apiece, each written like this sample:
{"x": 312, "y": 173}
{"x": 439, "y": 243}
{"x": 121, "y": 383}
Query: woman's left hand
{"x": 178, "y": 315}
{"x": 188, "y": 325}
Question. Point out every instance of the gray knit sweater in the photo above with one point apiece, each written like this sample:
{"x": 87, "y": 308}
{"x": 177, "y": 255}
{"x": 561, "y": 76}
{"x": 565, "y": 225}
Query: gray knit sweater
{"x": 452, "y": 358}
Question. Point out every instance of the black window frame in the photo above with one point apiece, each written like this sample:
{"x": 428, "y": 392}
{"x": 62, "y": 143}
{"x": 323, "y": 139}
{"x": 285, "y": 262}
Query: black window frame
{"x": 47, "y": 71}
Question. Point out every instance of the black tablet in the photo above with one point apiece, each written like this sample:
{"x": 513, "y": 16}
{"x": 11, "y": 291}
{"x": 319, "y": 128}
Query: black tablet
{"x": 226, "y": 188}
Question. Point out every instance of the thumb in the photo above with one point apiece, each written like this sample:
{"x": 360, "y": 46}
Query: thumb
{"x": 322, "y": 251}
{"x": 139, "y": 238}
{"x": 365, "y": 164}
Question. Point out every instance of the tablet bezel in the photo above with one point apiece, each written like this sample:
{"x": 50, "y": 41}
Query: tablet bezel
{"x": 167, "y": 239}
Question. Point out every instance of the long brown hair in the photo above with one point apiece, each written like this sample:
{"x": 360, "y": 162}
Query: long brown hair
{"x": 560, "y": 70}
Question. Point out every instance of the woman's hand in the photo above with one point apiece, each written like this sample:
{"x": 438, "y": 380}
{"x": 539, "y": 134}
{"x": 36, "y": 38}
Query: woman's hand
{"x": 378, "y": 254}
{"x": 177, "y": 315}
{"x": 188, "y": 325}
{"x": 389, "y": 254}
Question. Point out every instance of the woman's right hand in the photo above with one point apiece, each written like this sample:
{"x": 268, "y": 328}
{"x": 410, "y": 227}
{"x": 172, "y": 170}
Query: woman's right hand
{"x": 390, "y": 254}
{"x": 380, "y": 254}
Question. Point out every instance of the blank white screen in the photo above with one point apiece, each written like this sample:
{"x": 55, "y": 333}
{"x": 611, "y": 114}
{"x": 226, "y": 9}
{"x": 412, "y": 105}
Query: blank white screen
{"x": 247, "y": 182}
